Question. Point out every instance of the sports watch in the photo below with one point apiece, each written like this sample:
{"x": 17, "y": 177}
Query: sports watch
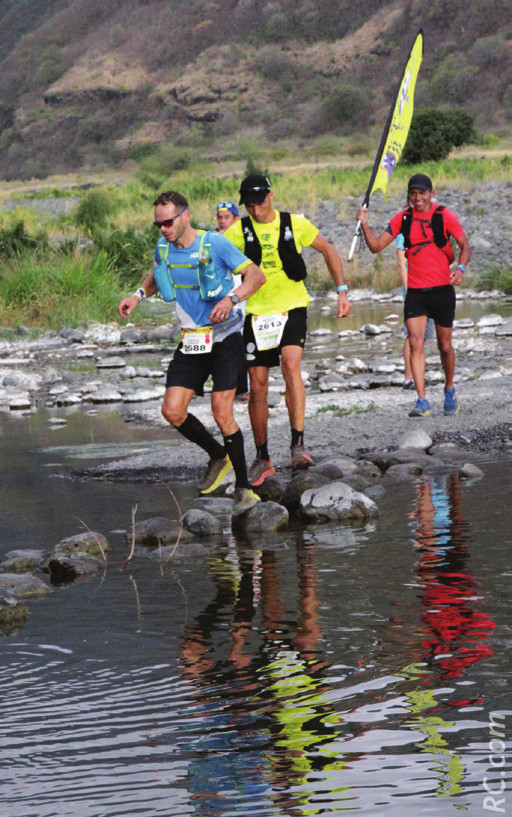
{"x": 235, "y": 299}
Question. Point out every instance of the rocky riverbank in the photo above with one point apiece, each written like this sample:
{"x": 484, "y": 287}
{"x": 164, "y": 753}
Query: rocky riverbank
{"x": 354, "y": 376}
{"x": 357, "y": 427}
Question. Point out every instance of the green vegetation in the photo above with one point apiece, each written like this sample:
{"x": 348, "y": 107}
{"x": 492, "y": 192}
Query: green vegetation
{"x": 345, "y": 412}
{"x": 58, "y": 290}
{"x": 496, "y": 277}
{"x": 434, "y": 133}
{"x": 74, "y": 267}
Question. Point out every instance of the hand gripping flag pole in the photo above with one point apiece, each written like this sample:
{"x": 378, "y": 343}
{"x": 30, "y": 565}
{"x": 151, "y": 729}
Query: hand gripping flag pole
{"x": 395, "y": 131}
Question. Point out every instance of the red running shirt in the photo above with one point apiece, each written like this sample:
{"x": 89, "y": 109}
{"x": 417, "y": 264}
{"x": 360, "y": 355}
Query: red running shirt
{"x": 429, "y": 265}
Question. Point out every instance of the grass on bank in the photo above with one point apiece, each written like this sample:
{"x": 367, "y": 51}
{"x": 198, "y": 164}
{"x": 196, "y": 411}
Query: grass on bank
{"x": 107, "y": 242}
{"x": 58, "y": 290}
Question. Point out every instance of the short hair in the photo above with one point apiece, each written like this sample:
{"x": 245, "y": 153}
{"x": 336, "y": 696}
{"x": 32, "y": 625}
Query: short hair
{"x": 171, "y": 197}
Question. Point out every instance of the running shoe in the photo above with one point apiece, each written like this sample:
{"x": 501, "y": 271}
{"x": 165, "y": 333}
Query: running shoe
{"x": 421, "y": 408}
{"x": 451, "y": 404}
{"x": 259, "y": 471}
{"x": 408, "y": 384}
{"x": 245, "y": 499}
{"x": 300, "y": 458}
{"x": 215, "y": 475}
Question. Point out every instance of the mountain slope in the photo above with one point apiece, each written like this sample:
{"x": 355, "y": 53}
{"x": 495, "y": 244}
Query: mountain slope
{"x": 85, "y": 81}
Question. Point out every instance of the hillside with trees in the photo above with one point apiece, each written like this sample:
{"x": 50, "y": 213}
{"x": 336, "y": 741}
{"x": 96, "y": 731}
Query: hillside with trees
{"x": 88, "y": 83}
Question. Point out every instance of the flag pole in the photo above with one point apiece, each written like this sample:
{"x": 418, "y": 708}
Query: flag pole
{"x": 402, "y": 88}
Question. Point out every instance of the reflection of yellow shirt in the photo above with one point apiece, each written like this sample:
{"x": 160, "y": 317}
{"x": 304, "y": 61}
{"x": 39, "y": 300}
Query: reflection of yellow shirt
{"x": 279, "y": 293}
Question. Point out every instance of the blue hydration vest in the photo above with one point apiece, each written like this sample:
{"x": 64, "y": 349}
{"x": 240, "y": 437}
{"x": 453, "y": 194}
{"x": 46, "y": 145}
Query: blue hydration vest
{"x": 211, "y": 283}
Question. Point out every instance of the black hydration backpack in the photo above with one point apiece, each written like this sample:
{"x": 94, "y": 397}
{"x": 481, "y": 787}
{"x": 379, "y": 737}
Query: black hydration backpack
{"x": 437, "y": 225}
{"x": 292, "y": 261}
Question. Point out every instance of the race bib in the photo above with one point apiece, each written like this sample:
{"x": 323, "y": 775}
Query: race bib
{"x": 268, "y": 330}
{"x": 197, "y": 341}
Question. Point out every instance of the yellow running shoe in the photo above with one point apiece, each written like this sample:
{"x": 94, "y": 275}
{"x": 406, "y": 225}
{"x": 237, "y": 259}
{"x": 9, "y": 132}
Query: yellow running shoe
{"x": 215, "y": 475}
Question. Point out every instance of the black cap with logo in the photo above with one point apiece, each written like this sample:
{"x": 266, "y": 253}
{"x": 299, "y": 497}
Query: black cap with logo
{"x": 254, "y": 189}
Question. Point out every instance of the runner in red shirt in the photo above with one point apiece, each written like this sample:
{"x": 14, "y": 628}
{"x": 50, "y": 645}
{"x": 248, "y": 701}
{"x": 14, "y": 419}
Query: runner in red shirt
{"x": 430, "y": 291}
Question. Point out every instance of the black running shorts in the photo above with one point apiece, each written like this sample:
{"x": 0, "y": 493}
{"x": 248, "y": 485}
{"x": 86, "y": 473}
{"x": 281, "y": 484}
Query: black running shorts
{"x": 294, "y": 335}
{"x": 434, "y": 302}
{"x": 225, "y": 363}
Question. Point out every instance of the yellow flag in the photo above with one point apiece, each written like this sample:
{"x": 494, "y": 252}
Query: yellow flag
{"x": 399, "y": 121}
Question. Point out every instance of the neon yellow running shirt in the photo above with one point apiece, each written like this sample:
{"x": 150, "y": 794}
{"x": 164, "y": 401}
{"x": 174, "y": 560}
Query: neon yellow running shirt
{"x": 279, "y": 293}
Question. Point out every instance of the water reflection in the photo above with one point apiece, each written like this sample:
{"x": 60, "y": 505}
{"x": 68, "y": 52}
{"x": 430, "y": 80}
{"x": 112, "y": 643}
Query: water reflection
{"x": 454, "y": 624}
{"x": 309, "y": 677}
{"x": 278, "y": 708}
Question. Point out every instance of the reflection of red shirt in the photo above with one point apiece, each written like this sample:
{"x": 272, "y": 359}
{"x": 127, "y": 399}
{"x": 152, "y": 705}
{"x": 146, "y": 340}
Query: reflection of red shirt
{"x": 429, "y": 266}
{"x": 455, "y": 629}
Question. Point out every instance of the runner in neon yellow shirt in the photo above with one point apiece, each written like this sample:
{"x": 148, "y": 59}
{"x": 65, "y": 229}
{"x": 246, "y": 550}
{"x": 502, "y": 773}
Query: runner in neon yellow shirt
{"x": 276, "y": 319}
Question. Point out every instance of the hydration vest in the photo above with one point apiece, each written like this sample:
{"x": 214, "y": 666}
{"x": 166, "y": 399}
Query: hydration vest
{"x": 437, "y": 225}
{"x": 291, "y": 259}
{"x": 211, "y": 283}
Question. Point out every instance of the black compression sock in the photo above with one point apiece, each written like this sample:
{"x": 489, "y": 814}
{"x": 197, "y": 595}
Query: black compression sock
{"x": 235, "y": 450}
{"x": 297, "y": 437}
{"x": 262, "y": 452}
{"x": 194, "y": 430}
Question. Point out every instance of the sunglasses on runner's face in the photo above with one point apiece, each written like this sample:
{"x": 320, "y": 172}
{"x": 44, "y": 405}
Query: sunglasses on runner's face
{"x": 168, "y": 222}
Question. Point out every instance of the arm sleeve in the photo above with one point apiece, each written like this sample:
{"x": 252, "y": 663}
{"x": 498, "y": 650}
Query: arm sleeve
{"x": 399, "y": 242}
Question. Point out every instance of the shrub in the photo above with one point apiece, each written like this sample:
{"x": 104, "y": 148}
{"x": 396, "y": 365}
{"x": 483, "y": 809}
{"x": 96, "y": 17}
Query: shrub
{"x": 15, "y": 241}
{"x": 342, "y": 105}
{"x": 94, "y": 209}
{"x": 59, "y": 290}
{"x": 453, "y": 81}
{"x": 129, "y": 251}
{"x": 433, "y": 133}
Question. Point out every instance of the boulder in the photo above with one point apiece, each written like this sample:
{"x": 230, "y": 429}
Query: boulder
{"x": 90, "y": 542}
{"x": 299, "y": 484}
{"x": 21, "y": 561}
{"x": 470, "y": 471}
{"x": 336, "y": 501}
{"x": 65, "y": 567}
{"x": 202, "y": 523}
{"x": 185, "y": 552}
{"x": 23, "y": 585}
{"x": 157, "y": 531}
{"x": 416, "y": 438}
{"x": 13, "y": 613}
{"x": 264, "y": 517}
{"x": 404, "y": 471}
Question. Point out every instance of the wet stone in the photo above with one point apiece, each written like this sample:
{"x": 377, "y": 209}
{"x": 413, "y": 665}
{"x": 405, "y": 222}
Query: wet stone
{"x": 403, "y": 471}
{"x": 202, "y": 523}
{"x": 374, "y": 491}
{"x": 336, "y": 501}
{"x": 183, "y": 553}
{"x": 13, "y": 613}
{"x": 470, "y": 471}
{"x": 23, "y": 585}
{"x": 298, "y": 485}
{"x": 271, "y": 490}
{"x": 21, "y": 561}
{"x": 64, "y": 567}
{"x": 92, "y": 543}
{"x": 157, "y": 531}
{"x": 264, "y": 517}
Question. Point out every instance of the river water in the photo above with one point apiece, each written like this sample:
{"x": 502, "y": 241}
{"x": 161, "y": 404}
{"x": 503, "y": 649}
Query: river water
{"x": 333, "y": 669}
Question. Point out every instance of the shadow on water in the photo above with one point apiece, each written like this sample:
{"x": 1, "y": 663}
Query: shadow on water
{"x": 331, "y": 669}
